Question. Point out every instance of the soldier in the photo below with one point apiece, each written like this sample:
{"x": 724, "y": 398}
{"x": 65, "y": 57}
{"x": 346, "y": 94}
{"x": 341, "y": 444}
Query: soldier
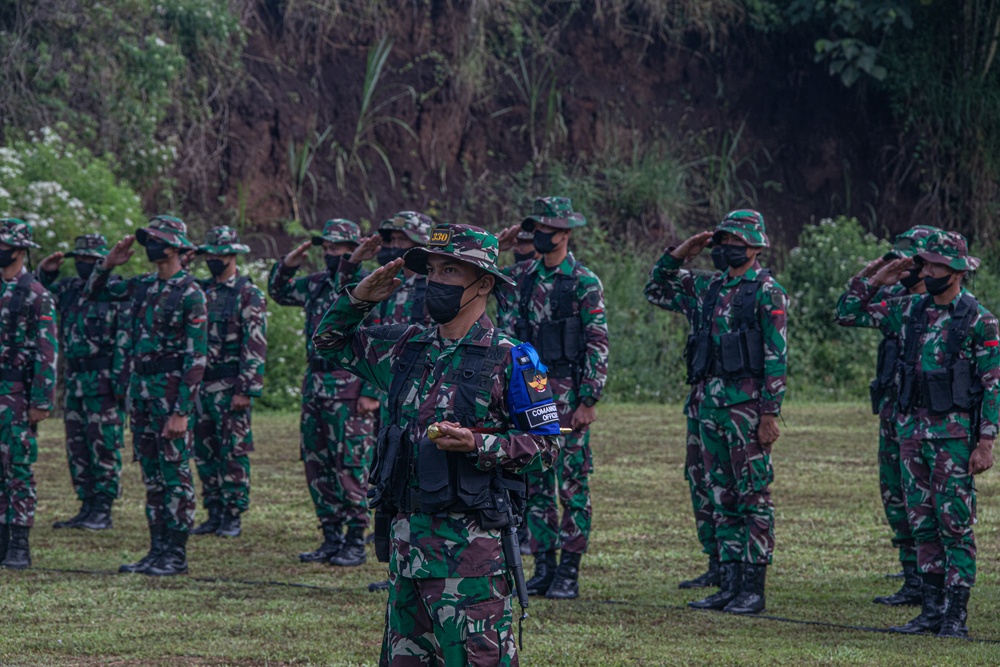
{"x": 93, "y": 337}
{"x": 947, "y": 413}
{"x": 560, "y": 311}
{"x": 736, "y": 361}
{"x": 883, "y": 395}
{"x": 167, "y": 351}
{"x": 27, "y": 387}
{"x": 663, "y": 295}
{"x": 234, "y": 376}
{"x": 441, "y": 504}
{"x": 338, "y": 411}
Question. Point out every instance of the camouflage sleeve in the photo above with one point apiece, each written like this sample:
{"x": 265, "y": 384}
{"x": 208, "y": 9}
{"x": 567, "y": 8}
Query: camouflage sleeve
{"x": 673, "y": 288}
{"x": 773, "y": 314}
{"x": 196, "y": 354}
{"x": 43, "y": 372}
{"x": 282, "y": 287}
{"x": 48, "y": 280}
{"x": 120, "y": 357}
{"x": 348, "y": 273}
{"x": 99, "y": 287}
{"x": 861, "y": 304}
{"x": 595, "y": 333}
{"x": 986, "y": 346}
{"x": 253, "y": 322}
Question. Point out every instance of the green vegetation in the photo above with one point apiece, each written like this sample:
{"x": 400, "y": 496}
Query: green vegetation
{"x": 832, "y": 552}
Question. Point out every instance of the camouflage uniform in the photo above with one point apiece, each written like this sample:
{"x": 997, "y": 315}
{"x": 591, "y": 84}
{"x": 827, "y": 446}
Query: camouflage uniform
{"x": 935, "y": 443}
{"x": 237, "y": 347}
{"x": 93, "y": 337}
{"x": 543, "y": 303}
{"x": 167, "y": 356}
{"x": 27, "y": 380}
{"x": 337, "y": 440}
{"x": 449, "y": 597}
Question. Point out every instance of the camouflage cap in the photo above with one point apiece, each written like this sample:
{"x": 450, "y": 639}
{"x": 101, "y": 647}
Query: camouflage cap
{"x": 554, "y": 212}
{"x": 222, "y": 240}
{"x": 746, "y": 224}
{"x": 339, "y": 230}
{"x": 16, "y": 232}
{"x": 89, "y": 245}
{"x": 950, "y": 249}
{"x": 416, "y": 226}
{"x": 910, "y": 242}
{"x": 168, "y": 229}
{"x": 469, "y": 244}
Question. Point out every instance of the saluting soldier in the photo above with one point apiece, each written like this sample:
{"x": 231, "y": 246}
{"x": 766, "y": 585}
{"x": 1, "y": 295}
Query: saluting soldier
{"x": 234, "y": 376}
{"x": 93, "y": 338}
{"x": 167, "y": 352}
{"x": 27, "y": 387}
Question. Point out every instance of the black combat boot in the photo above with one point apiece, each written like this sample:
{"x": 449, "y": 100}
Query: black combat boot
{"x": 18, "y": 552}
{"x": 909, "y": 594}
{"x": 157, "y": 542}
{"x": 85, "y": 508}
{"x": 545, "y": 571}
{"x": 932, "y": 610}
{"x": 751, "y": 597}
{"x": 100, "y": 515}
{"x": 730, "y": 583}
{"x": 4, "y": 540}
{"x": 333, "y": 539}
{"x": 229, "y": 523}
{"x": 709, "y": 579}
{"x": 211, "y": 524}
{"x": 565, "y": 584}
{"x": 173, "y": 558}
{"x": 956, "y": 612}
{"x": 352, "y": 553}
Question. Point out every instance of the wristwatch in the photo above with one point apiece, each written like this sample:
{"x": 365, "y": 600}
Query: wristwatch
{"x": 589, "y": 401}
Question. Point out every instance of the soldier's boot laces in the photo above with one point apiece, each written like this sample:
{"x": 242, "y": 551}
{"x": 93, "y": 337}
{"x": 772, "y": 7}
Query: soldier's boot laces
{"x": 211, "y": 524}
{"x": 909, "y": 594}
{"x": 173, "y": 559}
{"x": 932, "y": 611}
{"x": 708, "y": 579}
{"x": 956, "y": 612}
{"x": 157, "y": 542}
{"x": 99, "y": 517}
{"x": 352, "y": 553}
{"x": 565, "y": 584}
{"x": 85, "y": 508}
{"x": 4, "y": 540}
{"x": 333, "y": 540}
{"x": 730, "y": 583}
{"x": 751, "y": 597}
{"x": 230, "y": 524}
{"x": 18, "y": 555}
{"x": 545, "y": 571}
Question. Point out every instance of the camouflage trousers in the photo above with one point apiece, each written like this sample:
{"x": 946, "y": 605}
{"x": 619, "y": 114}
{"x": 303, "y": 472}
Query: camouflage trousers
{"x": 740, "y": 473}
{"x": 94, "y": 438}
{"x": 456, "y": 621}
{"x": 568, "y": 480}
{"x": 337, "y": 448}
{"x": 941, "y": 500}
{"x": 222, "y": 444}
{"x": 170, "y": 498}
{"x": 700, "y": 487}
{"x": 18, "y": 450}
{"x": 890, "y": 479}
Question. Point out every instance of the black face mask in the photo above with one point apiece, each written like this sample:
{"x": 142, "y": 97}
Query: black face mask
{"x": 156, "y": 250}
{"x": 543, "y": 242}
{"x": 216, "y": 266}
{"x": 729, "y": 256}
{"x": 937, "y": 286}
{"x": 444, "y": 302}
{"x": 523, "y": 256}
{"x": 7, "y": 257}
{"x": 911, "y": 279}
{"x": 386, "y": 255}
{"x": 332, "y": 262}
{"x": 84, "y": 269}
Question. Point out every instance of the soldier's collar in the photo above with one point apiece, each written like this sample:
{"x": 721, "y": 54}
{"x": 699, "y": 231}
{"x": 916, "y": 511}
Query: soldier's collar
{"x": 17, "y": 277}
{"x": 479, "y": 335}
{"x": 565, "y": 267}
{"x": 176, "y": 278}
{"x": 750, "y": 274}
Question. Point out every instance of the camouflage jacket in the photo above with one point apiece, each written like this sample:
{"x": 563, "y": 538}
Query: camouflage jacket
{"x": 28, "y": 345}
{"x": 316, "y": 293}
{"x": 981, "y": 346}
{"x": 92, "y": 335}
{"x": 399, "y": 309}
{"x": 686, "y": 291}
{"x": 167, "y": 328}
{"x": 588, "y": 305}
{"x": 237, "y": 336}
{"x": 446, "y": 544}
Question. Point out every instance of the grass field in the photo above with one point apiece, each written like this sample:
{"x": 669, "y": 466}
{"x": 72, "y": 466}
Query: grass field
{"x": 832, "y": 554}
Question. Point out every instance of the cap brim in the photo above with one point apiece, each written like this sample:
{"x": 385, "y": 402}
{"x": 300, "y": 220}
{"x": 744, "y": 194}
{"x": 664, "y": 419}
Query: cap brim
{"x": 234, "y": 249}
{"x": 83, "y": 253}
{"x": 143, "y": 233}
{"x": 415, "y": 260}
{"x": 957, "y": 263}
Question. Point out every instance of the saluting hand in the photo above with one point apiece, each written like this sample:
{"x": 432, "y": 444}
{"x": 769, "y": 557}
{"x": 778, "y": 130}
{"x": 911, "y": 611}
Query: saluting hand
{"x": 121, "y": 252}
{"x": 368, "y": 249}
{"x": 379, "y": 285}
{"x": 507, "y": 237}
{"x": 872, "y": 267}
{"x": 296, "y": 256}
{"x": 892, "y": 272}
{"x": 455, "y": 438}
{"x": 692, "y": 246}
{"x": 52, "y": 262}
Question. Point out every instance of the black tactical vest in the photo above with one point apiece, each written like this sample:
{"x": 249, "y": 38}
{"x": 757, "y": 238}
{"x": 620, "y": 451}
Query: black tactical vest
{"x": 559, "y": 340}
{"x": 170, "y": 357}
{"x": 17, "y": 313}
{"x": 73, "y": 308}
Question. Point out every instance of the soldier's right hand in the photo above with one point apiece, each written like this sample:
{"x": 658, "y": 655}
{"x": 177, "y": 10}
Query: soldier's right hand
{"x": 892, "y": 272}
{"x": 296, "y": 256}
{"x": 507, "y": 237}
{"x": 52, "y": 262}
{"x": 368, "y": 249}
{"x": 872, "y": 267}
{"x": 121, "y": 252}
{"x": 379, "y": 285}
{"x": 692, "y": 246}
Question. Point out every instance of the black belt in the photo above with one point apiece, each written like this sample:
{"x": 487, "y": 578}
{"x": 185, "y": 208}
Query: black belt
{"x": 222, "y": 371}
{"x": 323, "y": 366}
{"x": 13, "y": 375}
{"x": 561, "y": 369}
{"x": 86, "y": 364}
{"x": 158, "y": 366}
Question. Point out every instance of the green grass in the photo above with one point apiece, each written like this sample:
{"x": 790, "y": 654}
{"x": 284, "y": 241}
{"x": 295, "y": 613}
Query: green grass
{"x": 832, "y": 553}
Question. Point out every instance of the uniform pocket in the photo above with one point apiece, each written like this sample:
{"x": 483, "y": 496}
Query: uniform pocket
{"x": 23, "y": 446}
{"x": 486, "y": 625}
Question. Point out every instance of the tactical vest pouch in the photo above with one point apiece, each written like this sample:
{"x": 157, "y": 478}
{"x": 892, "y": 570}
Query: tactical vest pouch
{"x": 731, "y": 353}
{"x": 572, "y": 339}
{"x": 389, "y": 473}
{"x": 699, "y": 351}
{"x": 383, "y": 541}
{"x": 449, "y": 481}
{"x": 937, "y": 385}
{"x": 963, "y": 385}
{"x": 550, "y": 342}
{"x": 753, "y": 347}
